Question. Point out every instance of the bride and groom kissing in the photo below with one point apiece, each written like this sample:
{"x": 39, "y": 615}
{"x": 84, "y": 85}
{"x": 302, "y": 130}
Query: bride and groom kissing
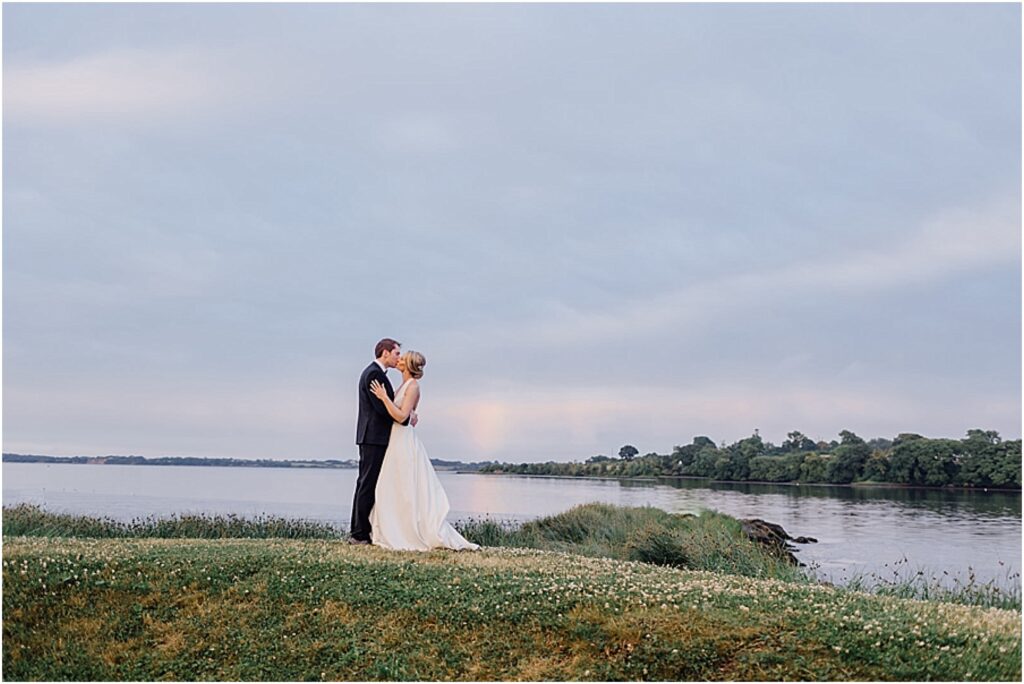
{"x": 399, "y": 501}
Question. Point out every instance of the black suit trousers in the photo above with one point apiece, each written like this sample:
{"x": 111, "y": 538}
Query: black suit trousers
{"x": 371, "y": 458}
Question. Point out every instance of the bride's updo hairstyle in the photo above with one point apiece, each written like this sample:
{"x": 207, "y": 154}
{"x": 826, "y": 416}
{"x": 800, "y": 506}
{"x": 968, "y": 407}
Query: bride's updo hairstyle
{"x": 414, "y": 363}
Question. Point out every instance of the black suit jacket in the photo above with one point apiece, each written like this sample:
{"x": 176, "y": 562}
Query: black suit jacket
{"x": 373, "y": 425}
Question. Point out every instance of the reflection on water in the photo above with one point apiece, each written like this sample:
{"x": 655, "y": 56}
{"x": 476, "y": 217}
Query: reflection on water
{"x": 859, "y": 529}
{"x": 975, "y": 502}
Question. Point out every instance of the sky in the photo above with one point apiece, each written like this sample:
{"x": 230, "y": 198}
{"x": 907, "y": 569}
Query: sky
{"x": 601, "y": 224}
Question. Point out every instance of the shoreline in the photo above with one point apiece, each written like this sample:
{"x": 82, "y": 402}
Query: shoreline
{"x": 307, "y": 465}
{"x": 708, "y": 480}
{"x": 458, "y": 471}
{"x": 283, "y": 465}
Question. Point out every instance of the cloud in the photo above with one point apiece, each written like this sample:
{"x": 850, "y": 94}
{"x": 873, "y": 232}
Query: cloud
{"x": 944, "y": 245}
{"x": 116, "y": 85}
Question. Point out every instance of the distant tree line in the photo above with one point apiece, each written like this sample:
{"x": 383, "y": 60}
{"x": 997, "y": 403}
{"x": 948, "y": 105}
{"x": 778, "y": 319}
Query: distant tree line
{"x": 981, "y": 459}
{"x": 177, "y": 460}
{"x": 442, "y": 464}
{"x": 223, "y": 462}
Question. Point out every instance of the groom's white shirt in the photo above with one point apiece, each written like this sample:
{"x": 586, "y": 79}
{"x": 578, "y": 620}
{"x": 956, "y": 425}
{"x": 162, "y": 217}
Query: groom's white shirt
{"x": 381, "y": 366}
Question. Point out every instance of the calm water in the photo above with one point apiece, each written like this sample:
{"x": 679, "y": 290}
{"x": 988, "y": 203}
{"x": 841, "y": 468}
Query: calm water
{"x": 858, "y": 530}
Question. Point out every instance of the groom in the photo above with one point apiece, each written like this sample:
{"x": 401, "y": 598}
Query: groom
{"x": 373, "y": 431}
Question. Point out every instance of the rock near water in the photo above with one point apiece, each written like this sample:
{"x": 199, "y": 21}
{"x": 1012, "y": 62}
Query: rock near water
{"x": 775, "y": 538}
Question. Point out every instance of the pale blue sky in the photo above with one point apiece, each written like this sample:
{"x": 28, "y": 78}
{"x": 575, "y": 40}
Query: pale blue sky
{"x": 600, "y": 223}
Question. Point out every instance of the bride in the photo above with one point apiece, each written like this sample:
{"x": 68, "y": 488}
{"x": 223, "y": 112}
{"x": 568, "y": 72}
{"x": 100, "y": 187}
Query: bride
{"x": 410, "y": 507}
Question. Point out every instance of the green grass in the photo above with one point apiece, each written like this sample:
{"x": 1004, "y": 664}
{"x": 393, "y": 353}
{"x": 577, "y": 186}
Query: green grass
{"x": 286, "y": 609}
{"x": 709, "y": 541}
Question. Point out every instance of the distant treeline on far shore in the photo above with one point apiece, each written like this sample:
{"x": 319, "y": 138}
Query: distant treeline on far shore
{"x": 222, "y": 462}
{"x": 982, "y": 459}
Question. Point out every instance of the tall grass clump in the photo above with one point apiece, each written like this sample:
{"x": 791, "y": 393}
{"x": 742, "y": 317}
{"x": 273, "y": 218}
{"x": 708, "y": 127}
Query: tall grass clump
{"x": 654, "y": 543}
{"x": 718, "y": 544}
{"x": 490, "y": 532}
{"x": 33, "y": 521}
{"x": 904, "y": 582}
{"x": 709, "y": 541}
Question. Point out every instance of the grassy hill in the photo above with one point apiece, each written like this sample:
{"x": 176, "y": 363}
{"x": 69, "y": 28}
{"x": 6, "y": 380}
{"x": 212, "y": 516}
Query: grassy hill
{"x": 318, "y": 609}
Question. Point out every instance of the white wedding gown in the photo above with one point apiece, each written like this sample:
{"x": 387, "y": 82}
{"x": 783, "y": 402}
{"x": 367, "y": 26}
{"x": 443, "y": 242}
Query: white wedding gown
{"x": 410, "y": 504}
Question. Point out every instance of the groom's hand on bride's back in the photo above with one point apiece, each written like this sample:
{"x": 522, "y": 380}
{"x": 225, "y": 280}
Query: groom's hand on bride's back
{"x": 413, "y": 419}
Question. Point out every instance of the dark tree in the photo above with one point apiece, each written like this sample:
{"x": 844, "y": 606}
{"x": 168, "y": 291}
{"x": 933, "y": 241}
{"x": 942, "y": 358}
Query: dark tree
{"x": 798, "y": 441}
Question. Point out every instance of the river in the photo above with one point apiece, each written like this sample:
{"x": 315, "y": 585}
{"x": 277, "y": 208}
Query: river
{"x": 860, "y": 530}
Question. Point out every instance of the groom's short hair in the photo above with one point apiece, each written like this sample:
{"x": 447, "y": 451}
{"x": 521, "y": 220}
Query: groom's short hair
{"x": 385, "y": 345}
